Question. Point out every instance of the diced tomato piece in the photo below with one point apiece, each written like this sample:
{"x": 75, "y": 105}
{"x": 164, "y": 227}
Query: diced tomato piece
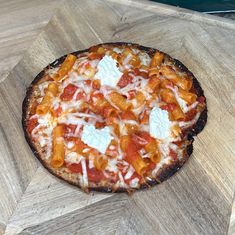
{"x": 80, "y": 95}
{"x": 70, "y": 138}
{"x": 132, "y": 94}
{"x": 136, "y": 71}
{"x": 94, "y": 56}
{"x": 144, "y": 135}
{"x": 31, "y": 124}
{"x": 143, "y": 74}
{"x": 125, "y": 80}
{"x": 95, "y": 175}
{"x": 190, "y": 115}
{"x": 138, "y": 141}
{"x": 96, "y": 95}
{"x": 151, "y": 166}
{"x": 173, "y": 155}
{"x": 112, "y": 149}
{"x": 80, "y": 144}
{"x": 110, "y": 120}
{"x": 69, "y": 128}
{"x": 144, "y": 117}
{"x": 112, "y": 176}
{"x": 169, "y": 107}
{"x": 88, "y": 82}
{"x": 56, "y": 112}
{"x": 201, "y": 99}
{"x": 75, "y": 168}
{"x": 96, "y": 84}
{"x": 179, "y": 143}
{"x": 121, "y": 167}
{"x": 68, "y": 92}
{"x": 132, "y": 153}
{"x": 93, "y": 49}
{"x": 99, "y": 125}
{"x": 33, "y": 107}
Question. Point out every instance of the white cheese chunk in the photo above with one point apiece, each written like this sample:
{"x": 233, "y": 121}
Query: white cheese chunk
{"x": 159, "y": 124}
{"x": 108, "y": 72}
{"x": 96, "y": 138}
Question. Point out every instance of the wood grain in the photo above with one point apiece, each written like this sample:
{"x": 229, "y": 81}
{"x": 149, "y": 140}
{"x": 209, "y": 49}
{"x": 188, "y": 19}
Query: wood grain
{"x": 20, "y": 23}
{"x": 196, "y": 200}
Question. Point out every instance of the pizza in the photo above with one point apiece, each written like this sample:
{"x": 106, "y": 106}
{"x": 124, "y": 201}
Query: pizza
{"x": 115, "y": 117}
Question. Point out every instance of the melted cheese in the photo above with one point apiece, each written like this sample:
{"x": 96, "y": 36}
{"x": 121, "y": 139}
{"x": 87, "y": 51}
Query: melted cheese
{"x": 84, "y": 173}
{"x": 68, "y": 105}
{"x": 163, "y": 162}
{"x": 121, "y": 180}
{"x": 164, "y": 149}
{"x": 134, "y": 183}
{"x": 73, "y": 157}
{"x": 52, "y": 71}
{"x": 97, "y": 138}
{"x": 189, "y": 123}
{"x": 42, "y": 141}
{"x": 108, "y": 72}
{"x": 159, "y": 124}
{"x": 181, "y": 102}
{"x": 91, "y": 161}
{"x": 144, "y": 58}
{"x": 129, "y": 173}
{"x": 112, "y": 165}
{"x": 70, "y": 118}
{"x": 117, "y": 50}
{"x": 42, "y": 87}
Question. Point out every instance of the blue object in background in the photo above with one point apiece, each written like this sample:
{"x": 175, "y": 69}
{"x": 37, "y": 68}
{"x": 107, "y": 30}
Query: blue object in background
{"x": 209, "y": 6}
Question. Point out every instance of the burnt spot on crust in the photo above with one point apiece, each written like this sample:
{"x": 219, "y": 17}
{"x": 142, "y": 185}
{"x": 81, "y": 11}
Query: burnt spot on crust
{"x": 166, "y": 171}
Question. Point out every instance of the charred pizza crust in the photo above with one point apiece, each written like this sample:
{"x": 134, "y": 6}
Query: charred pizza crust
{"x": 165, "y": 171}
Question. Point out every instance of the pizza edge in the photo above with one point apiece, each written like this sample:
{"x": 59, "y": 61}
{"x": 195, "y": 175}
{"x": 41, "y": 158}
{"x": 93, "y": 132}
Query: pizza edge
{"x": 166, "y": 171}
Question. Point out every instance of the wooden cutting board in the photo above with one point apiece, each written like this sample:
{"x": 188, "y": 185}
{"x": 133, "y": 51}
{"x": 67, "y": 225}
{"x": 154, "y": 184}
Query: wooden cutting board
{"x": 196, "y": 200}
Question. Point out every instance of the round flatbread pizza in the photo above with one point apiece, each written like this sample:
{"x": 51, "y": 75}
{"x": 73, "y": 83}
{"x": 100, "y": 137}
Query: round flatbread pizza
{"x": 115, "y": 117}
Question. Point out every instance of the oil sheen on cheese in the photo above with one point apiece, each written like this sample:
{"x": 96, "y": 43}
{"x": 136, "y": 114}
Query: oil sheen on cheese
{"x": 96, "y": 138}
{"x": 108, "y": 72}
{"x": 159, "y": 123}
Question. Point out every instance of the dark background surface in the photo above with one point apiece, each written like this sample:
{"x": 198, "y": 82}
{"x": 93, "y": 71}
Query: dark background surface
{"x": 202, "y": 6}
